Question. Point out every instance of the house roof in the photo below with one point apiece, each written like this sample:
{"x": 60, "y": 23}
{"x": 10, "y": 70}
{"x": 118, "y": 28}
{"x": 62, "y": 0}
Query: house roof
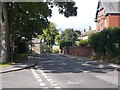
{"x": 110, "y": 6}
{"x": 35, "y": 40}
{"x": 88, "y": 33}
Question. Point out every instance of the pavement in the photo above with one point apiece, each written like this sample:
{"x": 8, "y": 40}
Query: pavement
{"x": 30, "y": 62}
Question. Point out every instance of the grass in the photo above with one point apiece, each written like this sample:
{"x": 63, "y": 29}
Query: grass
{"x": 110, "y": 59}
{"x": 20, "y": 57}
{"x": 5, "y": 64}
{"x": 17, "y": 58}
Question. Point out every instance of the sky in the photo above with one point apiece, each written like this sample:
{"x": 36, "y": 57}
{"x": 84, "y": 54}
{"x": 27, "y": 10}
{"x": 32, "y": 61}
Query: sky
{"x": 85, "y": 16}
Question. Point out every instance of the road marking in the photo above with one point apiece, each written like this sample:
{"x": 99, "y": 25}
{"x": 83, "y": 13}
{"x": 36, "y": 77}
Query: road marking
{"x": 43, "y": 74}
{"x": 58, "y": 87}
{"x": 42, "y": 84}
{"x": 82, "y": 70}
{"x": 48, "y": 79}
{"x": 41, "y": 71}
{"x": 39, "y": 80}
{"x": 55, "y": 84}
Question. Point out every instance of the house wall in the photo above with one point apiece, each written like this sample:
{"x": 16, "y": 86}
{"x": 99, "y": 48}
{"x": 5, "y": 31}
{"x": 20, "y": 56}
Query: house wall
{"x": 85, "y": 37}
{"x": 55, "y": 47}
{"x": 114, "y": 20}
{"x": 106, "y": 21}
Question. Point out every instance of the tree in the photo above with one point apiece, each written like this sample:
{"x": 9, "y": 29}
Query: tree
{"x": 28, "y": 19}
{"x": 5, "y": 26}
{"x": 106, "y": 42}
{"x": 58, "y": 39}
{"x": 49, "y": 35}
{"x": 69, "y": 35}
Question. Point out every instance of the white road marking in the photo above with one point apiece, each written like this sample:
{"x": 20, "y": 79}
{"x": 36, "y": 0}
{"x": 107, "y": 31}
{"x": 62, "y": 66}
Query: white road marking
{"x": 39, "y": 80}
{"x": 43, "y": 74}
{"x": 41, "y": 71}
{"x": 47, "y": 78}
{"x": 58, "y": 87}
{"x": 42, "y": 84}
{"x": 55, "y": 84}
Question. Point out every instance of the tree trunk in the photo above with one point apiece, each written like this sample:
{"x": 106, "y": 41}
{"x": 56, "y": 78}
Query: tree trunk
{"x": 6, "y": 33}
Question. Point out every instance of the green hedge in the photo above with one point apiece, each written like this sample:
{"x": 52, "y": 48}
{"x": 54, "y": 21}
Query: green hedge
{"x": 106, "y": 42}
{"x": 55, "y": 51}
{"x": 65, "y": 44}
{"x": 83, "y": 43}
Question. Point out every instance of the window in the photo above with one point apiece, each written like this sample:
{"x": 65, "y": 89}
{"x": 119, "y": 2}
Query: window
{"x": 105, "y": 23}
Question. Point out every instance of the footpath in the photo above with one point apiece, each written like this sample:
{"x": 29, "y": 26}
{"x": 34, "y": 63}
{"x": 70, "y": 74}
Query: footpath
{"x": 24, "y": 64}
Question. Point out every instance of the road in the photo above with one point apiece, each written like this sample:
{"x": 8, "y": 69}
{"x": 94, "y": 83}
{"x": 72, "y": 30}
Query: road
{"x": 57, "y": 71}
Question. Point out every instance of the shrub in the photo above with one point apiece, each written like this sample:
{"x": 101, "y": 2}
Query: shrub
{"x": 55, "y": 51}
{"x": 65, "y": 44}
{"x": 20, "y": 57}
{"x": 106, "y": 42}
{"x": 83, "y": 42}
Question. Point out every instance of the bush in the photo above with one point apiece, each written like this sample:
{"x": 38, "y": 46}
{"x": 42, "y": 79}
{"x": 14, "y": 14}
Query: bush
{"x": 106, "y": 42}
{"x": 83, "y": 43}
{"x": 55, "y": 51}
{"x": 65, "y": 44}
{"x": 20, "y": 57}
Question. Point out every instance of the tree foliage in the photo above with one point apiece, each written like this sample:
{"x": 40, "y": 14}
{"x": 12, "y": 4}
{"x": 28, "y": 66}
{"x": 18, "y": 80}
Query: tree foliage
{"x": 28, "y": 19}
{"x": 65, "y": 44}
{"x": 49, "y": 35}
{"x": 106, "y": 41}
{"x": 83, "y": 42}
{"x": 69, "y": 35}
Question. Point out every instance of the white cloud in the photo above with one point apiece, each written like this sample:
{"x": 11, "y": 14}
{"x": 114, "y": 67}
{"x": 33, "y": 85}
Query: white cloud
{"x": 84, "y": 19}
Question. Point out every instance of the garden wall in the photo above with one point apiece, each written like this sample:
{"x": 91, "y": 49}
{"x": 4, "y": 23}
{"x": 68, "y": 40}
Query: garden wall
{"x": 77, "y": 51}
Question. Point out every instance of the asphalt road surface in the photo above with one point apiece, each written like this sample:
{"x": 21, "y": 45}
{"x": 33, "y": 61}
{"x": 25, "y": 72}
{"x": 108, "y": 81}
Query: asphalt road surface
{"x": 57, "y": 71}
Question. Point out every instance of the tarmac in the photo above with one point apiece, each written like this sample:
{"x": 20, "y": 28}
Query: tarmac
{"x": 31, "y": 63}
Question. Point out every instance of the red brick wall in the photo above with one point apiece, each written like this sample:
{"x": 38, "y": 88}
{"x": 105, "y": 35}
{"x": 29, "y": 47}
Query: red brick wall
{"x": 77, "y": 51}
{"x": 114, "y": 20}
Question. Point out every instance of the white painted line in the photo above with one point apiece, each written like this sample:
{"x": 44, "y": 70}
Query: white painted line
{"x": 44, "y": 88}
{"x": 38, "y": 77}
{"x": 46, "y": 77}
{"x": 49, "y": 80}
{"x": 42, "y": 84}
{"x": 86, "y": 71}
{"x": 43, "y": 74}
{"x": 81, "y": 81}
{"x": 54, "y": 84}
{"x": 41, "y": 71}
{"x": 58, "y": 87}
{"x": 39, "y": 80}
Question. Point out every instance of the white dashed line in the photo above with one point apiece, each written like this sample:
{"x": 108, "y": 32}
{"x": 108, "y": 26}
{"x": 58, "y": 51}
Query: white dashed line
{"x": 39, "y": 80}
{"x": 55, "y": 84}
{"x": 58, "y": 87}
{"x": 42, "y": 84}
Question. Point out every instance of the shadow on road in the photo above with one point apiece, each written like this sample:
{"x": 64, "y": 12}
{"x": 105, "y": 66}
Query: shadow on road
{"x": 55, "y": 63}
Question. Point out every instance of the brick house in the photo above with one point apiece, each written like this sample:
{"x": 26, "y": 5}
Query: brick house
{"x": 107, "y": 14}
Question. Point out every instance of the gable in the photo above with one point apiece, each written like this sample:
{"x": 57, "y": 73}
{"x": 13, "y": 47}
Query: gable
{"x": 110, "y": 7}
